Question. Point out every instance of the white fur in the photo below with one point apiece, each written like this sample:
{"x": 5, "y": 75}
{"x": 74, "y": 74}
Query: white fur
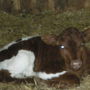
{"x": 21, "y": 66}
{"x": 26, "y": 38}
{"x": 46, "y": 76}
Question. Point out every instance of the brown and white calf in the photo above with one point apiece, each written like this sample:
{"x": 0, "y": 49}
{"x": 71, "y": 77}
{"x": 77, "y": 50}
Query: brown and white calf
{"x": 30, "y": 57}
{"x": 59, "y": 58}
{"x": 75, "y": 54}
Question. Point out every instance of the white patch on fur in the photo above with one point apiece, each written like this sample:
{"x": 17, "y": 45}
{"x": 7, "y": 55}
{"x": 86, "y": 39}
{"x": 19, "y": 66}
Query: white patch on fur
{"x": 46, "y": 76}
{"x": 26, "y": 38}
{"x": 21, "y": 66}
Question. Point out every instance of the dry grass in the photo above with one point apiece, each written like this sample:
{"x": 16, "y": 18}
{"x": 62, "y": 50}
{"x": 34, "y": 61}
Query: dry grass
{"x": 14, "y": 27}
{"x": 85, "y": 85}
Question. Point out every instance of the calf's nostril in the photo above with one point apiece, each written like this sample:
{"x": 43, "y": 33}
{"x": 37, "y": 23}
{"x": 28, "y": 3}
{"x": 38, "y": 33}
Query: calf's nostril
{"x": 76, "y": 64}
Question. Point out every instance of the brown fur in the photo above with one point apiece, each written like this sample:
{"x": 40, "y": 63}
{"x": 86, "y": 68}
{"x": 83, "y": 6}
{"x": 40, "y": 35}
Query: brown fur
{"x": 49, "y": 39}
{"x": 86, "y": 34}
{"x": 88, "y": 61}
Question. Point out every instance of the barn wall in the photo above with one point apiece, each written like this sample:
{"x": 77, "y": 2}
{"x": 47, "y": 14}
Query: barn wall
{"x": 41, "y": 5}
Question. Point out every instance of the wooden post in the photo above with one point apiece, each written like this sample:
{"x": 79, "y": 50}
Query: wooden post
{"x": 33, "y": 5}
{"x": 1, "y": 4}
{"x": 87, "y": 4}
{"x": 51, "y": 5}
{"x": 17, "y": 5}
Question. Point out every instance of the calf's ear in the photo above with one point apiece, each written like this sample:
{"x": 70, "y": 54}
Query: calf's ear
{"x": 86, "y": 35}
{"x": 50, "y": 39}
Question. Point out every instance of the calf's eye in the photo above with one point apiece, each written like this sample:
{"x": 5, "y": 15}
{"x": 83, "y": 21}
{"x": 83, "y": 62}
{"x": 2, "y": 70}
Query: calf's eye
{"x": 62, "y": 46}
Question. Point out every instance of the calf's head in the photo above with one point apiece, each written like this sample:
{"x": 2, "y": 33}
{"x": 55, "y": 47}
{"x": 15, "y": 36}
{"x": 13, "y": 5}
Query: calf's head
{"x": 71, "y": 47}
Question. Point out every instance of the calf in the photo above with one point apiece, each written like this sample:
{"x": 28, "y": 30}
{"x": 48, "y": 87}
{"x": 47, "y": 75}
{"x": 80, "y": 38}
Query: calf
{"x": 31, "y": 57}
{"x": 56, "y": 59}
